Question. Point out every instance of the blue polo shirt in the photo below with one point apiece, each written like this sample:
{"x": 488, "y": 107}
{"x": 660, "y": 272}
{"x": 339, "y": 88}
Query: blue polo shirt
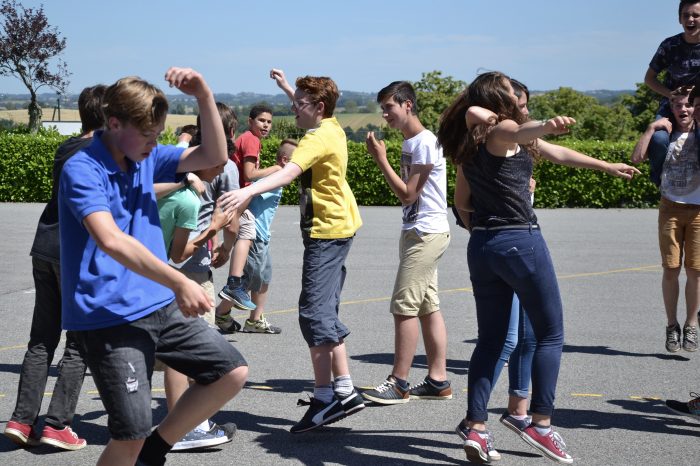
{"x": 96, "y": 290}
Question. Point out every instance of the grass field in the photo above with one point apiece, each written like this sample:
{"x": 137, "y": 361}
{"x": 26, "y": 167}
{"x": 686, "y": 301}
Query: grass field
{"x": 353, "y": 120}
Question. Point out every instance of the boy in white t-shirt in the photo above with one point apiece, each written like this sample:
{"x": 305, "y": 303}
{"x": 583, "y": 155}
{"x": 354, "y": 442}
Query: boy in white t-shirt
{"x": 422, "y": 189}
{"x": 679, "y": 216}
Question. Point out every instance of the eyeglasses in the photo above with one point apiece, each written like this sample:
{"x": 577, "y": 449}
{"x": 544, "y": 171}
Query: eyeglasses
{"x": 298, "y": 105}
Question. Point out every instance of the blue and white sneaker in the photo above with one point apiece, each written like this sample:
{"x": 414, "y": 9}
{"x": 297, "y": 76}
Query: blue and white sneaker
{"x": 198, "y": 439}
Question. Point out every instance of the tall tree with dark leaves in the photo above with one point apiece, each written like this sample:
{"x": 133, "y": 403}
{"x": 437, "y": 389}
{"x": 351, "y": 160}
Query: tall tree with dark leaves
{"x": 29, "y": 51}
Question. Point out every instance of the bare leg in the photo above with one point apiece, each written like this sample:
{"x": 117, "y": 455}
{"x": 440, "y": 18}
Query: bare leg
{"x": 238, "y": 257}
{"x": 670, "y": 290}
{"x": 328, "y": 360}
{"x": 692, "y": 296}
{"x": 259, "y": 298}
{"x": 175, "y": 385}
{"x": 199, "y": 402}
{"x": 120, "y": 453}
{"x": 405, "y": 342}
{"x": 517, "y": 406}
{"x": 224, "y": 307}
{"x": 435, "y": 339}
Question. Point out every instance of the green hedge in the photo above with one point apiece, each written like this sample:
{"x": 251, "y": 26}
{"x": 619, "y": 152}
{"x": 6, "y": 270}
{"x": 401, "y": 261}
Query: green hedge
{"x": 26, "y": 165}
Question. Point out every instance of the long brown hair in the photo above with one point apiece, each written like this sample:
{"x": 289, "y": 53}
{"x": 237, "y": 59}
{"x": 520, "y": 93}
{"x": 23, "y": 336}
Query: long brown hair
{"x": 490, "y": 91}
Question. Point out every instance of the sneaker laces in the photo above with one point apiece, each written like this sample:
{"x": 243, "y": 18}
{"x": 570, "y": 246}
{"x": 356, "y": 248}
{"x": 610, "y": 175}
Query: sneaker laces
{"x": 691, "y": 333}
{"x": 672, "y": 334}
{"x": 70, "y": 431}
{"x": 490, "y": 439}
{"x": 385, "y": 386}
{"x": 558, "y": 441}
{"x": 418, "y": 385}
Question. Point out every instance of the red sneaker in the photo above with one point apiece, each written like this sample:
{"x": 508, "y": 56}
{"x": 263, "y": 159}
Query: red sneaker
{"x": 477, "y": 447}
{"x": 64, "y": 439}
{"x": 21, "y": 434}
{"x": 551, "y": 444}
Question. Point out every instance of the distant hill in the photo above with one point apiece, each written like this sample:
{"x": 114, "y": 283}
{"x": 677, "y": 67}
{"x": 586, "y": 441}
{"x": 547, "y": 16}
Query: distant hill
{"x": 246, "y": 99}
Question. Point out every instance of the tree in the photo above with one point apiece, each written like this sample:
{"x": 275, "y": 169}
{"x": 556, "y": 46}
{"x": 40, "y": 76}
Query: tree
{"x": 643, "y": 105}
{"x": 593, "y": 120}
{"x": 350, "y": 106}
{"x": 27, "y": 45}
{"x": 434, "y": 94}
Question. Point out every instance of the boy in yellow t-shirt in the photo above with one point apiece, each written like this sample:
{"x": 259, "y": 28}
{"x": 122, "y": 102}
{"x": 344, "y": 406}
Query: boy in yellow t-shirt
{"x": 329, "y": 220}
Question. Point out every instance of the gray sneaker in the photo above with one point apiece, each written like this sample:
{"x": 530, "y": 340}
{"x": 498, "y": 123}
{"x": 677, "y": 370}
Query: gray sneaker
{"x": 673, "y": 338}
{"x": 197, "y": 438}
{"x": 690, "y": 338}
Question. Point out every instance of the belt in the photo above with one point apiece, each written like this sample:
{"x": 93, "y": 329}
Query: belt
{"x": 524, "y": 226}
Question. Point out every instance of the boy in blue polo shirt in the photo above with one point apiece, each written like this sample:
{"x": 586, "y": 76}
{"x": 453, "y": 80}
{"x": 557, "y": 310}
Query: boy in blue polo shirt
{"x": 126, "y": 305}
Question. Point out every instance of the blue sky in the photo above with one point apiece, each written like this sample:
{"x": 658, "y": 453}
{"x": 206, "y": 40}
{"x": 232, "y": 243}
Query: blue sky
{"x": 363, "y": 45}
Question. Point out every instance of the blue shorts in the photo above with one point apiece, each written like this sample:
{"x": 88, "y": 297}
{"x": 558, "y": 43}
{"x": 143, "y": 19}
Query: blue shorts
{"x": 323, "y": 275}
{"x": 258, "y": 266}
{"x": 121, "y": 362}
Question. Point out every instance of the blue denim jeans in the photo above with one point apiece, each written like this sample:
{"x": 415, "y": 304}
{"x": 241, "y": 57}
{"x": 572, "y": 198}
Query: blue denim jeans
{"x": 43, "y": 340}
{"x": 501, "y": 263}
{"x": 658, "y": 146}
{"x": 518, "y": 348}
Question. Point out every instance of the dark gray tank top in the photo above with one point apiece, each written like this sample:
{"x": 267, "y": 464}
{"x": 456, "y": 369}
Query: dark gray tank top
{"x": 500, "y": 188}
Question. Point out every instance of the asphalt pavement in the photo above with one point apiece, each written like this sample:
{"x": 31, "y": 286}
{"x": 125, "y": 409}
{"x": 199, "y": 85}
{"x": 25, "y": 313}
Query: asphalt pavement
{"x": 614, "y": 376}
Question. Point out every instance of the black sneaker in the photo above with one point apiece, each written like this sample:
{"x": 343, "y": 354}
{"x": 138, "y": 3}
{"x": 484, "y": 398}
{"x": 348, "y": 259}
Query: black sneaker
{"x": 388, "y": 393}
{"x": 229, "y": 429}
{"x": 227, "y": 324}
{"x": 516, "y": 425}
{"x": 318, "y": 414}
{"x": 427, "y": 391}
{"x": 463, "y": 431}
{"x": 673, "y": 338}
{"x": 690, "y": 408}
{"x": 351, "y": 403}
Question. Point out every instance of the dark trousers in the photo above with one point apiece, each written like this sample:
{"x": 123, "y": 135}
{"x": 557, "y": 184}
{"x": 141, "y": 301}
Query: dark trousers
{"x": 501, "y": 263}
{"x": 43, "y": 340}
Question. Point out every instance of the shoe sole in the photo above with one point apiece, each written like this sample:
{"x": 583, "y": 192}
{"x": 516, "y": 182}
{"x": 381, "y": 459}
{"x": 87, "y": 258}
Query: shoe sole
{"x": 19, "y": 439}
{"x": 530, "y": 441}
{"x": 62, "y": 445}
{"x": 475, "y": 453}
{"x": 691, "y": 350}
{"x": 673, "y": 350}
{"x": 263, "y": 332}
{"x": 237, "y": 304}
{"x": 512, "y": 427}
{"x": 422, "y": 397}
{"x": 202, "y": 444}
{"x": 384, "y": 401}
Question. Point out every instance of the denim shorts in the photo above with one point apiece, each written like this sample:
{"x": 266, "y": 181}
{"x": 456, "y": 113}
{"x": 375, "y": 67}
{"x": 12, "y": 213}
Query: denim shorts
{"x": 121, "y": 362}
{"x": 258, "y": 265}
{"x": 323, "y": 276}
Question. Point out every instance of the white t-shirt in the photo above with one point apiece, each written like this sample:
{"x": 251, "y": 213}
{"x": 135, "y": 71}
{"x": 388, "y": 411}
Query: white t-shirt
{"x": 428, "y": 214}
{"x": 680, "y": 177}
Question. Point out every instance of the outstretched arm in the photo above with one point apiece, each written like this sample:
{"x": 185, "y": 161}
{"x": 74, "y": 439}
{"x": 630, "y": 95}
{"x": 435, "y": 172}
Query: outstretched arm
{"x": 278, "y": 76}
{"x": 639, "y": 154}
{"x": 571, "y": 158}
{"x": 235, "y": 199}
{"x": 407, "y": 192}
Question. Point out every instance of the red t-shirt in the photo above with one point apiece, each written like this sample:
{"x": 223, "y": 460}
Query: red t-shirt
{"x": 247, "y": 145}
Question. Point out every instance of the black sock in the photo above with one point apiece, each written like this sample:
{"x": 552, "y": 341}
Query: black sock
{"x": 436, "y": 383}
{"x": 403, "y": 384}
{"x": 234, "y": 280}
{"x": 154, "y": 450}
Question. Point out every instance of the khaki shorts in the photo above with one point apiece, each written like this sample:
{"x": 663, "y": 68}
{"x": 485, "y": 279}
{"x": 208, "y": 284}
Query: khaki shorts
{"x": 246, "y": 228}
{"x": 206, "y": 280}
{"x": 679, "y": 234}
{"x": 416, "y": 287}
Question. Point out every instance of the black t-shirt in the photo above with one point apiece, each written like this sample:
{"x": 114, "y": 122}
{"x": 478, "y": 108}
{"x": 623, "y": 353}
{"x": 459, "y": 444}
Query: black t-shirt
{"x": 680, "y": 59}
{"x": 500, "y": 193}
{"x": 46, "y": 244}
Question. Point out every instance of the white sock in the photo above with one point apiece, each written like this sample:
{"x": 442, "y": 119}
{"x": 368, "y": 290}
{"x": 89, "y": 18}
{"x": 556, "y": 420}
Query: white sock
{"x": 343, "y": 385}
{"x": 324, "y": 393}
{"x": 204, "y": 426}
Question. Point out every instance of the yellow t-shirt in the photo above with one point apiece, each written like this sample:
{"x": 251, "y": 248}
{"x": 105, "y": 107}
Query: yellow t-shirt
{"x": 328, "y": 207}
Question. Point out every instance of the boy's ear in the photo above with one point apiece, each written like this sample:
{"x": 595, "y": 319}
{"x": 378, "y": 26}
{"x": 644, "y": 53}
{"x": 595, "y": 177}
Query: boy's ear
{"x": 113, "y": 123}
{"x": 322, "y": 108}
{"x": 409, "y": 106}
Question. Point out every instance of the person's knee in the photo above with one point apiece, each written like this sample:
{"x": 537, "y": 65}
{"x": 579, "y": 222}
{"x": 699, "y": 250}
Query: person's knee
{"x": 236, "y": 378}
{"x": 671, "y": 273}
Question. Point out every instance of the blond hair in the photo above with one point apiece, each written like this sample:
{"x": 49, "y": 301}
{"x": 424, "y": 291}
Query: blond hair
{"x": 133, "y": 100}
